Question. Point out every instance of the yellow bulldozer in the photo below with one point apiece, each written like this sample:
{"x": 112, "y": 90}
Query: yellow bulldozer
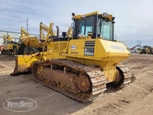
{"x": 83, "y": 62}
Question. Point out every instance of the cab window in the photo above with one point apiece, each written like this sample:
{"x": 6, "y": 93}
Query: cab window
{"x": 86, "y": 26}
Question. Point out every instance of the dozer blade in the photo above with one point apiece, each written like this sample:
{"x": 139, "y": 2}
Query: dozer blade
{"x": 23, "y": 63}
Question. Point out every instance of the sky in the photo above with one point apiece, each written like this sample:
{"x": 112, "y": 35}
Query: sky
{"x": 133, "y": 18}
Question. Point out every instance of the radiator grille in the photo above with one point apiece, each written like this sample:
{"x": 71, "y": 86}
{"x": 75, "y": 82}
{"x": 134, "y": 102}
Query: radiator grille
{"x": 90, "y": 43}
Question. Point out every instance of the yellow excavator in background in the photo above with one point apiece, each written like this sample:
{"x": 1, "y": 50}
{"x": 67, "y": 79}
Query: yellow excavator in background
{"x": 45, "y": 28}
{"x": 24, "y": 33}
{"x": 31, "y": 43}
{"x": 27, "y": 44}
{"x": 9, "y": 46}
{"x": 83, "y": 63}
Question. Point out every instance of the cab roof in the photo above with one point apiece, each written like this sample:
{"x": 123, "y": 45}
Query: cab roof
{"x": 104, "y": 15}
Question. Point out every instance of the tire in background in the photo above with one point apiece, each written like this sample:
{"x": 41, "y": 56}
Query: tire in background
{"x": 33, "y": 50}
{"x": 26, "y": 51}
{"x": 15, "y": 50}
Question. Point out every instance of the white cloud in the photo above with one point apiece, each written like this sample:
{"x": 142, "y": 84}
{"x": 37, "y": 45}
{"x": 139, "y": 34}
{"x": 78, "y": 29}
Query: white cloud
{"x": 134, "y": 18}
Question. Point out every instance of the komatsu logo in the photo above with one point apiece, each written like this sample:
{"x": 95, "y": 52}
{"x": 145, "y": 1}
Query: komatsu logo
{"x": 117, "y": 47}
{"x": 73, "y": 47}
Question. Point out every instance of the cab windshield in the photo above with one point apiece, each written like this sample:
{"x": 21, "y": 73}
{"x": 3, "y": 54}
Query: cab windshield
{"x": 86, "y": 26}
{"x": 106, "y": 29}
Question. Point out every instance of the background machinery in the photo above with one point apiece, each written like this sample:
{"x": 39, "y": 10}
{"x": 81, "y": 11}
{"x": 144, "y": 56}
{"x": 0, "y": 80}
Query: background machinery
{"x": 27, "y": 44}
{"x": 81, "y": 65}
{"x": 146, "y": 50}
{"x": 32, "y": 44}
{"x": 10, "y": 46}
{"x": 134, "y": 50}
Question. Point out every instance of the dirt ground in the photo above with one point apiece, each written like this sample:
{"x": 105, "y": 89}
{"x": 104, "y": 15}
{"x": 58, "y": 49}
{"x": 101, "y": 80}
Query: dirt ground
{"x": 135, "y": 99}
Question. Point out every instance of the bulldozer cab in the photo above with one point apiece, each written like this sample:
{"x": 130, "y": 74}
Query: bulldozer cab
{"x": 93, "y": 25}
